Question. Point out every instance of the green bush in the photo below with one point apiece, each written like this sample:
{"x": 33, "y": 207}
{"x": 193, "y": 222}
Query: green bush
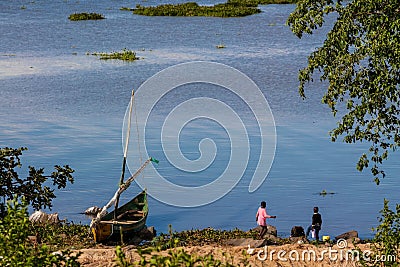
{"x": 85, "y": 16}
{"x": 386, "y": 243}
{"x": 33, "y": 188}
{"x": 17, "y": 250}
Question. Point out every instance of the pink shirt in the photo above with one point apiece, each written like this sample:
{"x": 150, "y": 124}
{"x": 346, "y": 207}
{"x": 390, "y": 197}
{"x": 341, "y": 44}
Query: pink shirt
{"x": 262, "y": 215}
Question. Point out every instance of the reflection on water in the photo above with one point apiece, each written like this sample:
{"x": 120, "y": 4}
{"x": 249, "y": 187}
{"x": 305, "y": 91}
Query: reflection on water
{"x": 13, "y": 66}
{"x": 67, "y": 107}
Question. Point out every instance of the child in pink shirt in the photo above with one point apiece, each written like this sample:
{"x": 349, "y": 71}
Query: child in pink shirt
{"x": 261, "y": 217}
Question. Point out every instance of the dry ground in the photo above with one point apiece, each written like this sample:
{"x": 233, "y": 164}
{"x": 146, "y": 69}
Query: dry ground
{"x": 284, "y": 255}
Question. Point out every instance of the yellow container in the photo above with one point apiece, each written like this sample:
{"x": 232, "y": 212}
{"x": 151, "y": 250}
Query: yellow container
{"x": 326, "y": 238}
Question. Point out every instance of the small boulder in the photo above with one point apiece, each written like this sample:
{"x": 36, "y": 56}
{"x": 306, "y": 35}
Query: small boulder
{"x": 53, "y": 218}
{"x": 254, "y": 243}
{"x": 244, "y": 242}
{"x": 147, "y": 233}
{"x": 297, "y": 231}
{"x": 40, "y": 217}
{"x": 152, "y": 230}
{"x": 270, "y": 230}
{"x": 271, "y": 239}
{"x": 348, "y": 235}
{"x": 135, "y": 240}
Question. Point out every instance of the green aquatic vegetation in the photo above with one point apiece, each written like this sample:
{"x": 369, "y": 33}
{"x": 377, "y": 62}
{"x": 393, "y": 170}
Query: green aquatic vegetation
{"x": 85, "y": 16}
{"x": 125, "y": 54}
{"x": 324, "y": 193}
{"x": 232, "y": 8}
{"x": 193, "y": 9}
{"x": 254, "y": 3}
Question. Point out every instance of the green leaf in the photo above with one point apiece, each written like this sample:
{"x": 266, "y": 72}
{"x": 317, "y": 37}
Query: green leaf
{"x": 360, "y": 61}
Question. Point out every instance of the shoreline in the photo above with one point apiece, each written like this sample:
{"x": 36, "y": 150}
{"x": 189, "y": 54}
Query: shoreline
{"x": 276, "y": 255}
{"x": 235, "y": 248}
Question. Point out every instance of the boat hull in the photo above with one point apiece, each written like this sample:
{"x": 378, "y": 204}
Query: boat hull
{"x": 130, "y": 220}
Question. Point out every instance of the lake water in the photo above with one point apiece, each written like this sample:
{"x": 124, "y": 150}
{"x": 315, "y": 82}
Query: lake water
{"x": 68, "y": 108}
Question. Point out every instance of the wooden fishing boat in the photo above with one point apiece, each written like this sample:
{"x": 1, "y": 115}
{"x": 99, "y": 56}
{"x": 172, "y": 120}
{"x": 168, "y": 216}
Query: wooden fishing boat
{"x": 131, "y": 219}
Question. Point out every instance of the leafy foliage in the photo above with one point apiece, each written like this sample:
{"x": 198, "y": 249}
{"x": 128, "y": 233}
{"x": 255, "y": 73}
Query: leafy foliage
{"x": 17, "y": 250}
{"x": 360, "y": 59}
{"x": 386, "y": 243}
{"x": 33, "y": 188}
{"x": 85, "y": 16}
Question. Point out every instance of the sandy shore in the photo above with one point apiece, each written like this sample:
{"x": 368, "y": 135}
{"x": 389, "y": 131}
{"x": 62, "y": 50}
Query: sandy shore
{"x": 283, "y": 255}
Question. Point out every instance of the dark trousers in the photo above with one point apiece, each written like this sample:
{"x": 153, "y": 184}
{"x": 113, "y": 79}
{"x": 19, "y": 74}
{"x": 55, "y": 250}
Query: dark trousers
{"x": 263, "y": 230}
{"x": 316, "y": 231}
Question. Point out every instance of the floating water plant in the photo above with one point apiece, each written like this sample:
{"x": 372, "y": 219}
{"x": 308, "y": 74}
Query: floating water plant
{"x": 324, "y": 193}
{"x": 125, "y": 54}
{"x": 193, "y": 9}
{"x": 232, "y": 8}
{"x": 85, "y": 16}
{"x": 254, "y": 3}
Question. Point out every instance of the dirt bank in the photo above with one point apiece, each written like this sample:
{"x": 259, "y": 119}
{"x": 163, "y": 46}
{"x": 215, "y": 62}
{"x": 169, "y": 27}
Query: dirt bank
{"x": 283, "y": 255}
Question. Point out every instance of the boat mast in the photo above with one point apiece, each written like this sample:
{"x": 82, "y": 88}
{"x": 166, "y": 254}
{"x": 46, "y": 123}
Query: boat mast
{"x": 121, "y": 180}
{"x": 121, "y": 189}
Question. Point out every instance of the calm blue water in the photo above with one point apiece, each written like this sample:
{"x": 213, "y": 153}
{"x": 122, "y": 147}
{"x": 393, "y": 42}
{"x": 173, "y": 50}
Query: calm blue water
{"x": 68, "y": 108}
